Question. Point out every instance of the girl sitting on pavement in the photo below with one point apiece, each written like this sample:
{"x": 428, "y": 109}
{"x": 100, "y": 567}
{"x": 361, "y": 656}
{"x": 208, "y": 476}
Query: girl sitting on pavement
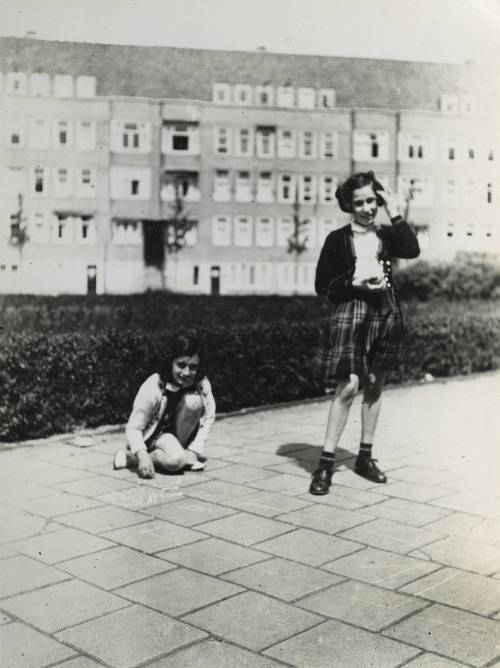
{"x": 354, "y": 272}
{"x": 172, "y": 415}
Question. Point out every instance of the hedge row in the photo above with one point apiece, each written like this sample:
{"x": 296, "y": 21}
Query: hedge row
{"x": 469, "y": 276}
{"x": 69, "y": 381}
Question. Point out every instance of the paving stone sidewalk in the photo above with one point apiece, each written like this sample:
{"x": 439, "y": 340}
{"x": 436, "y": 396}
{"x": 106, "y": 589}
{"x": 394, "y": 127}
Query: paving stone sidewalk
{"x": 239, "y": 566}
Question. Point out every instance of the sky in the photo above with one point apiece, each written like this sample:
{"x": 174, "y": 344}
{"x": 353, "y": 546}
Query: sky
{"x": 424, "y": 30}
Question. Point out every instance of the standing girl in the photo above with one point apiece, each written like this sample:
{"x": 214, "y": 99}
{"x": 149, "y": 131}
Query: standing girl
{"x": 354, "y": 272}
{"x": 172, "y": 415}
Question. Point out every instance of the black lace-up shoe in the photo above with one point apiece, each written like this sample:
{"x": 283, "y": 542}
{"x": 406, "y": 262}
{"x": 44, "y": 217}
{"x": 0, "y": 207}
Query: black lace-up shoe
{"x": 367, "y": 468}
{"x": 322, "y": 478}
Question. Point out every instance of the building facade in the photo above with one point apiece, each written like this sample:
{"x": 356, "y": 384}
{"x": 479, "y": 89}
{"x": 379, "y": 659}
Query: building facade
{"x": 100, "y": 145}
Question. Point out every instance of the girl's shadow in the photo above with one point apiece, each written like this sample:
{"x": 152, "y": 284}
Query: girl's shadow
{"x": 306, "y": 456}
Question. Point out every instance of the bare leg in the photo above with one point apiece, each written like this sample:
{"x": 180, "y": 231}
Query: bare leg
{"x": 188, "y": 415}
{"x": 370, "y": 410}
{"x": 168, "y": 454}
{"x": 339, "y": 411}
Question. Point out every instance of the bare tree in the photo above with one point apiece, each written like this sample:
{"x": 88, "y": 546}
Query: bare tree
{"x": 298, "y": 240}
{"x": 177, "y": 226}
{"x": 18, "y": 228}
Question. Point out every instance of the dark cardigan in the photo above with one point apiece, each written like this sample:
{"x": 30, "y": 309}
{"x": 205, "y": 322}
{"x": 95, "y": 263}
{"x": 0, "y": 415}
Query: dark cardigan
{"x": 337, "y": 261}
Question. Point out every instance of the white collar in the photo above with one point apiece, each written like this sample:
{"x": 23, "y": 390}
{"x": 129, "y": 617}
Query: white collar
{"x": 359, "y": 229}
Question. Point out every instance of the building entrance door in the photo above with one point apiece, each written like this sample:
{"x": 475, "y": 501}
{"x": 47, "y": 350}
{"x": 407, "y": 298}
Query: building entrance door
{"x": 215, "y": 280}
{"x": 91, "y": 279}
{"x": 154, "y": 251}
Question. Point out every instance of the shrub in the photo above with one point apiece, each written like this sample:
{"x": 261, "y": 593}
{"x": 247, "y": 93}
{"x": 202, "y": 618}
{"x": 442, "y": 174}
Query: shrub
{"x": 469, "y": 276}
{"x": 69, "y": 381}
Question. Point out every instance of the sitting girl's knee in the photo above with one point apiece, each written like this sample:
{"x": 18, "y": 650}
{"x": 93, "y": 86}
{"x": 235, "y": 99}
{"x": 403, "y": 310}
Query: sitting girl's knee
{"x": 193, "y": 402}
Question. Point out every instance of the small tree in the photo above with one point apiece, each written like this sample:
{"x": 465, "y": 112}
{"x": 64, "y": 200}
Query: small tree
{"x": 18, "y": 228}
{"x": 297, "y": 241}
{"x": 177, "y": 225}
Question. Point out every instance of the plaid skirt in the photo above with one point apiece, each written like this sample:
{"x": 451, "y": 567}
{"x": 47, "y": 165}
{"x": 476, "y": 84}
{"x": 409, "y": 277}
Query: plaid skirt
{"x": 364, "y": 337}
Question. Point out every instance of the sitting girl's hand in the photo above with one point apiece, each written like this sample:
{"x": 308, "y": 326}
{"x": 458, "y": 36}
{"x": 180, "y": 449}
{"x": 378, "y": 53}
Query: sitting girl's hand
{"x": 145, "y": 466}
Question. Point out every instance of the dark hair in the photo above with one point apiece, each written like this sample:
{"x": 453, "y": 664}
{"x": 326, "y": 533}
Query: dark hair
{"x": 345, "y": 190}
{"x": 182, "y": 345}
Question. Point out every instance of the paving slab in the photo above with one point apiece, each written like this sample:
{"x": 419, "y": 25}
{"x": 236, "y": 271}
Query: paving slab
{"x": 337, "y": 645}
{"x": 363, "y": 605}
{"x": 23, "y": 647}
{"x": 130, "y": 636}
{"x": 456, "y": 634}
{"x": 214, "y": 654}
{"x": 20, "y": 574}
{"x": 213, "y": 556}
{"x": 253, "y": 621}
{"x": 178, "y": 592}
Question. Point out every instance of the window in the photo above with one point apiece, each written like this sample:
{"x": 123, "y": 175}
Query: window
{"x": 62, "y": 134}
{"x": 308, "y": 144}
{"x": 244, "y": 142}
{"x": 264, "y": 232}
{"x": 222, "y": 93}
{"x": 371, "y": 146}
{"x": 127, "y": 183}
{"x": 16, "y": 181}
{"x": 222, "y": 186}
{"x": 264, "y": 95}
{"x": 470, "y": 194}
{"x": 286, "y": 143}
{"x": 286, "y": 187}
{"x": 451, "y": 193}
{"x": 243, "y": 94}
{"x": 284, "y": 230}
{"x": 181, "y": 137}
{"x": 326, "y": 98}
{"x": 491, "y": 155}
{"x": 86, "y": 183}
{"x": 265, "y": 190}
{"x": 421, "y": 188}
{"x": 309, "y": 232}
{"x": 470, "y": 149}
{"x": 265, "y": 140}
{"x": 307, "y": 189}
{"x": 221, "y": 231}
{"x": 469, "y": 229}
{"x": 126, "y": 233}
{"x": 222, "y": 139}
{"x": 39, "y": 184}
{"x": 328, "y": 145}
{"x": 449, "y": 104}
{"x": 16, "y": 83}
{"x": 415, "y": 147}
{"x": 243, "y": 231}
{"x": 85, "y": 135}
{"x": 450, "y": 230}
{"x": 306, "y": 98}
{"x": 243, "y": 191}
{"x": 468, "y": 105}
{"x": 62, "y": 230}
{"x": 15, "y": 133}
{"x": 61, "y": 182}
{"x": 489, "y": 193}
{"x": 38, "y": 228}
{"x": 39, "y": 134}
{"x": 63, "y": 85}
{"x": 85, "y": 86}
{"x": 451, "y": 149}
{"x": 196, "y": 274}
{"x": 39, "y": 84}
{"x": 86, "y": 232}
{"x": 285, "y": 96}
{"x": 130, "y": 136}
{"x": 327, "y": 187}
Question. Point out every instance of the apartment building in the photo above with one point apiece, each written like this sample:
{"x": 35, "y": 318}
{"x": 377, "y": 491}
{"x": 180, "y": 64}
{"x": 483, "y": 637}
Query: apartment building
{"x": 100, "y": 144}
